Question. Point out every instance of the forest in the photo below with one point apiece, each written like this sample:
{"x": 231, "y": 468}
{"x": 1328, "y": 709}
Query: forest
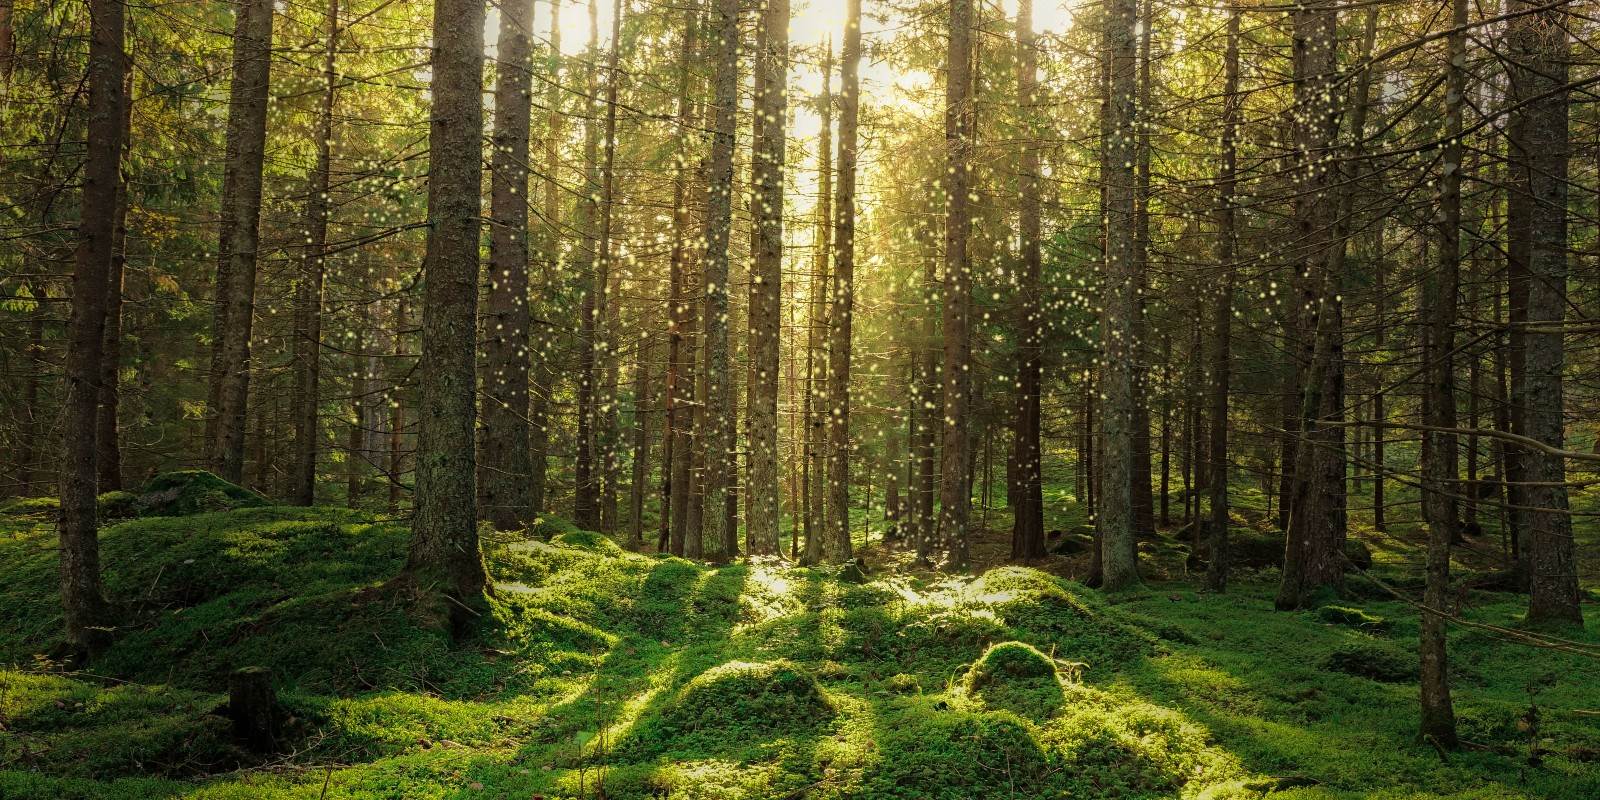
{"x": 798, "y": 399}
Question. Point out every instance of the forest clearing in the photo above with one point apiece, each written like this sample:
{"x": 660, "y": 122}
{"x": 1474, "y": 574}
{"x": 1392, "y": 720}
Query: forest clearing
{"x": 800, "y": 399}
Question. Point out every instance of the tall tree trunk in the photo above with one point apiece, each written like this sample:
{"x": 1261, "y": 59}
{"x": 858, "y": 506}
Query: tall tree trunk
{"x": 1539, "y": 43}
{"x": 240, "y": 234}
{"x": 355, "y": 459}
{"x": 1439, "y": 445}
{"x": 1314, "y": 552}
{"x": 717, "y": 433}
{"x": 586, "y": 476}
{"x": 108, "y": 436}
{"x": 836, "y": 546}
{"x": 680, "y": 383}
{"x": 954, "y": 499}
{"x": 1222, "y": 308}
{"x": 609, "y": 436}
{"x": 1116, "y": 520}
{"x": 1143, "y": 503}
{"x": 83, "y": 603}
{"x": 1027, "y": 532}
{"x": 766, "y": 321}
{"x": 444, "y": 549}
{"x": 817, "y": 328}
{"x": 504, "y": 456}
{"x": 544, "y": 370}
{"x": 308, "y": 294}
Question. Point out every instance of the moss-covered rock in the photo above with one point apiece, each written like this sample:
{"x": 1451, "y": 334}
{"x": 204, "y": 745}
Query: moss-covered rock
{"x": 592, "y": 541}
{"x": 763, "y": 696}
{"x": 194, "y": 491}
{"x": 1353, "y": 618}
{"x": 930, "y": 752}
{"x": 1015, "y": 676}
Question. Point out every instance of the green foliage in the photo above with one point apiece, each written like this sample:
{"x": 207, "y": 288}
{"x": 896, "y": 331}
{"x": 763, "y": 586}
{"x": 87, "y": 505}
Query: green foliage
{"x": 1017, "y": 677}
{"x": 185, "y": 492}
{"x": 1377, "y": 660}
{"x": 1352, "y": 617}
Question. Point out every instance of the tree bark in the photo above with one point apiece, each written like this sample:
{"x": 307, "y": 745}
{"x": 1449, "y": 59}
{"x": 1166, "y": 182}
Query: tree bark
{"x": 1222, "y": 308}
{"x": 717, "y": 432}
{"x": 1314, "y": 551}
{"x": 444, "y": 551}
{"x": 108, "y": 434}
{"x": 837, "y": 546}
{"x": 1539, "y": 43}
{"x": 1439, "y": 445}
{"x": 504, "y": 455}
{"x": 1027, "y": 532}
{"x": 766, "y": 321}
{"x": 308, "y": 294}
{"x": 240, "y": 235}
{"x": 586, "y": 478}
{"x": 544, "y": 381}
{"x": 82, "y": 600}
{"x": 955, "y": 500}
{"x": 1117, "y": 521}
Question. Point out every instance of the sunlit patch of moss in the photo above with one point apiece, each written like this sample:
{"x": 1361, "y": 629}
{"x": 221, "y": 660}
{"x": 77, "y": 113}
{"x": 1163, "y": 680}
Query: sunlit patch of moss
{"x": 1016, "y": 677}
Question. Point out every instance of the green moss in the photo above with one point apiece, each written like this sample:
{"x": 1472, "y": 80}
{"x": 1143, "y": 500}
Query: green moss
{"x": 1377, "y": 660}
{"x": 185, "y": 492}
{"x": 754, "y": 696}
{"x": 1353, "y": 618}
{"x": 1017, "y": 677}
{"x": 588, "y": 540}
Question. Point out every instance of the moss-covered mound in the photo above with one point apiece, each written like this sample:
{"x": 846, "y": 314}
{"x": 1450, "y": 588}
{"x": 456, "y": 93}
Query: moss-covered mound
{"x": 936, "y": 754}
{"x": 1378, "y": 660}
{"x": 588, "y": 540}
{"x": 1353, "y": 618}
{"x": 1249, "y": 548}
{"x": 1037, "y": 605}
{"x": 186, "y": 492}
{"x": 1015, "y": 676}
{"x": 112, "y": 505}
{"x": 763, "y": 697}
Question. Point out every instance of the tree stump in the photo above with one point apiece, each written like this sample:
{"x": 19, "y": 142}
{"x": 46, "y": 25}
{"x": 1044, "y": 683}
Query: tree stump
{"x": 253, "y": 707}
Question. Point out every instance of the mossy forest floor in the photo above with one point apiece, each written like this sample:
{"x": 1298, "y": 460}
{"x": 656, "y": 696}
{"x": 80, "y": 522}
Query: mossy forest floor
{"x": 603, "y": 672}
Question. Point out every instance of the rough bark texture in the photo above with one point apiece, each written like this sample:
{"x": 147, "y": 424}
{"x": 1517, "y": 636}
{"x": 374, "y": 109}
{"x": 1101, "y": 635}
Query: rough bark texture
{"x": 608, "y": 438}
{"x": 955, "y": 500}
{"x": 240, "y": 235}
{"x": 1027, "y": 500}
{"x": 1313, "y": 554}
{"x": 684, "y": 320}
{"x": 544, "y": 370}
{"x": 1119, "y": 561}
{"x": 717, "y": 433}
{"x": 1222, "y": 311}
{"x": 503, "y": 454}
{"x": 107, "y": 434}
{"x": 836, "y": 543}
{"x": 82, "y": 601}
{"x": 1539, "y": 42}
{"x": 1439, "y": 445}
{"x": 586, "y": 480}
{"x": 817, "y": 328}
{"x": 308, "y": 294}
{"x": 444, "y": 552}
{"x": 766, "y": 320}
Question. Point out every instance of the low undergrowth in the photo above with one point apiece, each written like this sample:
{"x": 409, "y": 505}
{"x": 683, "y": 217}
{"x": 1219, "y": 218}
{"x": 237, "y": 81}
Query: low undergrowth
{"x": 600, "y": 672}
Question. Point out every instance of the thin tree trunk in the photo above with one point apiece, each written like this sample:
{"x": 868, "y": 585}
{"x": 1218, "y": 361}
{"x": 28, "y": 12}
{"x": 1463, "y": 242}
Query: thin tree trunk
{"x": 681, "y": 385}
{"x": 1222, "y": 309}
{"x": 444, "y": 551}
{"x": 817, "y": 328}
{"x": 108, "y": 435}
{"x": 836, "y": 546}
{"x": 609, "y": 437}
{"x": 586, "y": 481}
{"x": 397, "y": 413}
{"x": 308, "y": 294}
{"x": 766, "y": 321}
{"x": 240, "y": 234}
{"x": 82, "y": 600}
{"x": 1439, "y": 446}
{"x": 641, "y": 436}
{"x": 544, "y": 371}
